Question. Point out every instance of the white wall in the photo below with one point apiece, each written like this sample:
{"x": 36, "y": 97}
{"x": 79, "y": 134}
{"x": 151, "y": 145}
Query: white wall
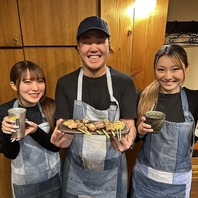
{"x": 192, "y": 74}
{"x": 183, "y": 10}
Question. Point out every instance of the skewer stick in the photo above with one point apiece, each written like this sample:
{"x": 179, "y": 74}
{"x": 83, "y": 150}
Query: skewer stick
{"x": 88, "y": 133}
{"x": 120, "y": 134}
{"x": 113, "y": 133}
{"x": 105, "y": 133}
{"x": 82, "y": 131}
{"x": 117, "y": 133}
{"x": 98, "y": 132}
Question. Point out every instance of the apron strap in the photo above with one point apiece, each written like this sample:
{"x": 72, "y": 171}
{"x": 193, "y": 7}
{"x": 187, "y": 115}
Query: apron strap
{"x": 80, "y": 82}
{"x": 184, "y": 100}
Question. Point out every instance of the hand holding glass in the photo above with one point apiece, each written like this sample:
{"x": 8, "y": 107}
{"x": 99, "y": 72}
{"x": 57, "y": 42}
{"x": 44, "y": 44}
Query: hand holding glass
{"x": 19, "y": 116}
{"x": 155, "y": 119}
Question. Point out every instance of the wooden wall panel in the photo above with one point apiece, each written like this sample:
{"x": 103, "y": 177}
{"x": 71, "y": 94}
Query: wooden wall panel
{"x": 194, "y": 162}
{"x": 53, "y": 22}
{"x": 55, "y": 62}
{"x": 148, "y": 37}
{"x": 8, "y": 58}
{"x": 10, "y": 34}
{"x": 5, "y": 183}
{"x": 120, "y": 24}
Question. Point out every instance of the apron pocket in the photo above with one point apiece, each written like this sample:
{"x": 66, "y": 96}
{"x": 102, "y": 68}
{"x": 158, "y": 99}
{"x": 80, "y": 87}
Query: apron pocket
{"x": 46, "y": 189}
{"x": 145, "y": 187}
{"x": 92, "y": 182}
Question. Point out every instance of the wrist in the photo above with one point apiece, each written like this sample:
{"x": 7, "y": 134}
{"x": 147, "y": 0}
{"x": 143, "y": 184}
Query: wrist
{"x": 141, "y": 135}
{"x": 35, "y": 129}
{"x": 132, "y": 145}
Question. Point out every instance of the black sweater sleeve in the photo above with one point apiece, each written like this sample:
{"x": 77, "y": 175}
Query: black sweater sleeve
{"x": 8, "y": 148}
{"x": 11, "y": 149}
{"x": 44, "y": 140}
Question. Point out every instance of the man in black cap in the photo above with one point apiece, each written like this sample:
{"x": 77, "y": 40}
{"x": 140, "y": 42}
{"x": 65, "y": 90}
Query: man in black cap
{"x": 95, "y": 165}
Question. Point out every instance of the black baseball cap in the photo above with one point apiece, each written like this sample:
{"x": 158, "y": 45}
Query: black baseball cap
{"x": 91, "y": 23}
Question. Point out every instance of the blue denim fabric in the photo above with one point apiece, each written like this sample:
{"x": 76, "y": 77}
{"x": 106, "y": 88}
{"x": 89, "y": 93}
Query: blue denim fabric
{"x": 168, "y": 152}
{"x": 96, "y": 172}
{"x": 147, "y": 188}
{"x": 46, "y": 189}
{"x": 32, "y": 176}
{"x": 96, "y": 183}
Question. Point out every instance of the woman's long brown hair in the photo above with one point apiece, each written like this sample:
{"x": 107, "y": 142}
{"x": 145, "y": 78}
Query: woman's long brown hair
{"x": 18, "y": 73}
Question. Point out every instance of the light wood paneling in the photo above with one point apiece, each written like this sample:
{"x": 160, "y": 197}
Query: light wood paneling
{"x": 196, "y": 146}
{"x": 194, "y": 161}
{"x": 194, "y": 187}
{"x": 55, "y": 62}
{"x": 8, "y": 58}
{"x": 5, "y": 183}
{"x": 53, "y": 22}
{"x": 120, "y": 24}
{"x": 10, "y": 34}
{"x": 148, "y": 37}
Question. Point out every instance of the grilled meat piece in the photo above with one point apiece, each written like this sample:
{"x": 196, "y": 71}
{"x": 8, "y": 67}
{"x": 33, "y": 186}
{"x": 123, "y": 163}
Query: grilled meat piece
{"x": 109, "y": 125}
{"x": 71, "y": 124}
{"x": 99, "y": 125}
{"x": 91, "y": 126}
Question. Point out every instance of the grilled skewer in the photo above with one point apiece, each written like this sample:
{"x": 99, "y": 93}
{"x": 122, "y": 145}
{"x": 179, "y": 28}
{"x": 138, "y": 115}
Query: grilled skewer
{"x": 119, "y": 126}
{"x": 98, "y": 126}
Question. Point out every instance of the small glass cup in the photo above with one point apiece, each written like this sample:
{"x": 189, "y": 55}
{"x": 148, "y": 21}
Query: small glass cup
{"x": 155, "y": 119}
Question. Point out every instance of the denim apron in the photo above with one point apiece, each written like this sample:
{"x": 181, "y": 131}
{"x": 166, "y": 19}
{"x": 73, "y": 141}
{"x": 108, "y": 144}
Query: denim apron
{"x": 93, "y": 169}
{"x": 36, "y": 172}
{"x": 163, "y": 168}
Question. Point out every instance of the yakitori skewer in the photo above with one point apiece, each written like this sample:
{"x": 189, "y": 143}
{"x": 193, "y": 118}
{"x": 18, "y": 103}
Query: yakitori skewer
{"x": 100, "y": 127}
